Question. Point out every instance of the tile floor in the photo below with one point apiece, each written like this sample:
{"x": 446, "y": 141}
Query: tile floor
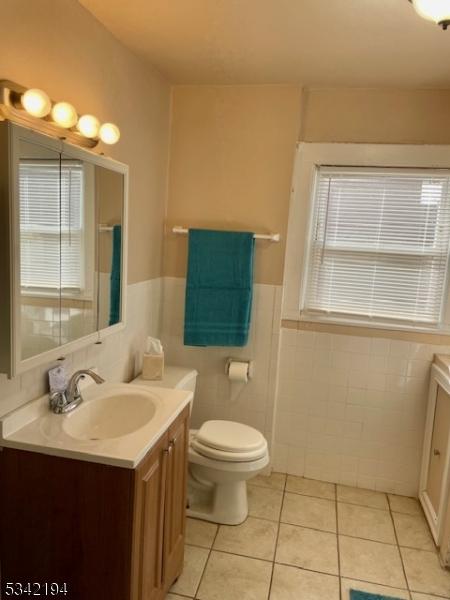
{"x": 309, "y": 540}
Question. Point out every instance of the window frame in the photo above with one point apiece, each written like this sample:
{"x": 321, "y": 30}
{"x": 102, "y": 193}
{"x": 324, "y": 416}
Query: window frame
{"x": 310, "y": 156}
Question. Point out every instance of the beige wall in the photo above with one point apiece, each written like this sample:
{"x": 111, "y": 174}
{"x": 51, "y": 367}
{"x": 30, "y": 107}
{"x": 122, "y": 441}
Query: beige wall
{"x": 376, "y": 116}
{"x": 232, "y": 151}
{"x": 231, "y": 157}
{"x": 58, "y": 46}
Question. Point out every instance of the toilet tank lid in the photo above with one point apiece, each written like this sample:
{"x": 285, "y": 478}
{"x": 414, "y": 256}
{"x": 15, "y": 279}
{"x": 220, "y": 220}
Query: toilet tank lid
{"x": 174, "y": 378}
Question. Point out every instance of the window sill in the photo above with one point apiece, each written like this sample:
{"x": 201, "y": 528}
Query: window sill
{"x": 366, "y": 329}
{"x": 56, "y": 296}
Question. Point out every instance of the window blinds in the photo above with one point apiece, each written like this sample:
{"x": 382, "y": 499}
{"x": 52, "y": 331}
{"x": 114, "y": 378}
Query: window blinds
{"x": 380, "y": 245}
{"x": 51, "y": 225}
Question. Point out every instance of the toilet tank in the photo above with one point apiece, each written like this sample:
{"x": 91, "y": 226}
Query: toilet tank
{"x": 180, "y": 378}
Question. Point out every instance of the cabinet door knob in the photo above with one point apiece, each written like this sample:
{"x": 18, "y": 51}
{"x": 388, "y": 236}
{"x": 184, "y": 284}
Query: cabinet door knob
{"x": 172, "y": 442}
{"x": 436, "y": 452}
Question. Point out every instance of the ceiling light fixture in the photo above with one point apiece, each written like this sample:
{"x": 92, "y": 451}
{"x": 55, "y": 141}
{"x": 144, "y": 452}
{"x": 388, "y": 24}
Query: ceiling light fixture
{"x": 437, "y": 11}
{"x": 36, "y": 103}
{"x": 64, "y": 114}
{"x": 34, "y": 109}
{"x": 89, "y": 126}
{"x": 109, "y": 133}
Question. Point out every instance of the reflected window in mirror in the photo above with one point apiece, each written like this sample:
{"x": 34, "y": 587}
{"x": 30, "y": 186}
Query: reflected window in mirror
{"x": 77, "y": 249}
{"x": 52, "y": 227}
{"x": 57, "y": 249}
{"x": 40, "y": 265}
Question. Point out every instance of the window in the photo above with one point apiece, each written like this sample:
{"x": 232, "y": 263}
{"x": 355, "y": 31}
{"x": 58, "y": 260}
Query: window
{"x": 51, "y": 226}
{"x": 379, "y": 246}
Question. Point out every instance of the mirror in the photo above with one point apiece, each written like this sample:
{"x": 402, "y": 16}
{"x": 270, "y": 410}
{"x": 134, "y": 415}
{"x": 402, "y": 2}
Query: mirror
{"x": 70, "y": 227}
{"x": 109, "y": 186}
{"x": 40, "y": 261}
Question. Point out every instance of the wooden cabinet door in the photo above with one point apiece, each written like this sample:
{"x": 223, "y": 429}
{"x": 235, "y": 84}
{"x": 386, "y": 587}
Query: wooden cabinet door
{"x": 175, "y": 504}
{"x": 150, "y": 486}
{"x": 441, "y": 428}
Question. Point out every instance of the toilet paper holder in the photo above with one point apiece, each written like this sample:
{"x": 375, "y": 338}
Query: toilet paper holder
{"x": 240, "y": 360}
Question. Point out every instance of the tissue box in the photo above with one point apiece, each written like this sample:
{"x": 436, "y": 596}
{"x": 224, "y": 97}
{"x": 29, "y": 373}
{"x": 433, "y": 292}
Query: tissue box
{"x": 153, "y": 366}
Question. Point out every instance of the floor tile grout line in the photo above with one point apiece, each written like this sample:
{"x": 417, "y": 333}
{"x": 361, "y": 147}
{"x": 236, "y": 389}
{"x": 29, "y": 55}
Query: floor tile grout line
{"x": 431, "y": 595}
{"x": 338, "y": 542}
{"x": 348, "y": 577}
{"x": 384, "y": 510}
{"x": 338, "y": 535}
{"x": 398, "y": 548}
{"x": 391, "y": 587}
{"x": 366, "y": 539}
{"x": 309, "y": 496}
{"x": 206, "y": 562}
{"x": 288, "y": 491}
{"x": 292, "y": 566}
{"x": 276, "y": 540}
{"x": 340, "y": 575}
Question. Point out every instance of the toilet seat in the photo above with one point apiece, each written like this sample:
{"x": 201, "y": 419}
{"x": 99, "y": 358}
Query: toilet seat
{"x": 229, "y": 442}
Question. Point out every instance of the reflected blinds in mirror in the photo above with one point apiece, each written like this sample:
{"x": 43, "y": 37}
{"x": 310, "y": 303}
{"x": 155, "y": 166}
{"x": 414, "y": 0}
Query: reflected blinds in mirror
{"x": 51, "y": 225}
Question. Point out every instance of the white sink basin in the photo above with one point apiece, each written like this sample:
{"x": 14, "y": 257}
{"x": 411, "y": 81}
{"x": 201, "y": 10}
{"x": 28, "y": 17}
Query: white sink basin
{"x": 116, "y": 424}
{"x": 114, "y": 416}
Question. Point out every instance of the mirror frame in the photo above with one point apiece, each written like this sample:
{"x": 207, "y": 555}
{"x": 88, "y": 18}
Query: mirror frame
{"x": 16, "y": 135}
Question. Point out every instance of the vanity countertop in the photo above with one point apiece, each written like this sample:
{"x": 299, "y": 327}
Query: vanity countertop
{"x": 33, "y": 427}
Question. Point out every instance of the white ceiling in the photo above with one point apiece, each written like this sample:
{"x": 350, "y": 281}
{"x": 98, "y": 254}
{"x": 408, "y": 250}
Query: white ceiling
{"x": 355, "y": 43}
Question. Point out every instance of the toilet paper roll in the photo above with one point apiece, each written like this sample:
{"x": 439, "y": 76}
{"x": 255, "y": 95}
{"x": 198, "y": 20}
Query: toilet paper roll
{"x": 238, "y": 371}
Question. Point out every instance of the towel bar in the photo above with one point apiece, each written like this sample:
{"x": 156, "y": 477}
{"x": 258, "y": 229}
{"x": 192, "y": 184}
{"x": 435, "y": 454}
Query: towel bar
{"x": 104, "y": 228}
{"x": 272, "y": 237}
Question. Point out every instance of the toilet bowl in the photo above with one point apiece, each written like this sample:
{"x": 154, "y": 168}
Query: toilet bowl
{"x": 223, "y": 456}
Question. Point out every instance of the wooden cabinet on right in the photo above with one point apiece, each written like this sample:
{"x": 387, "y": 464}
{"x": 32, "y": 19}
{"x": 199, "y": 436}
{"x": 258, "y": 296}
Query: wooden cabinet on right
{"x": 435, "y": 480}
{"x": 439, "y": 444}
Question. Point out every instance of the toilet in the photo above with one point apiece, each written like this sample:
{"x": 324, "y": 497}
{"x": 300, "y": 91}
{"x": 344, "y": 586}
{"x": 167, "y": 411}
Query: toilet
{"x": 223, "y": 456}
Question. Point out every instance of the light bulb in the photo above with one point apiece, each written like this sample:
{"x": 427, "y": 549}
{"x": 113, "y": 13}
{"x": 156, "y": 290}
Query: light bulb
{"x": 89, "y": 126}
{"x": 36, "y": 103}
{"x": 64, "y": 114}
{"x": 109, "y": 133}
{"x": 433, "y": 10}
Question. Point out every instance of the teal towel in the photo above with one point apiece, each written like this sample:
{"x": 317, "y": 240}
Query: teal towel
{"x": 219, "y": 288}
{"x": 114, "y": 293}
{"x": 356, "y": 595}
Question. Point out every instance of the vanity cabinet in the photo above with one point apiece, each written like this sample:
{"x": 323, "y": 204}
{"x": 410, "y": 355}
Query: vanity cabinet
{"x": 107, "y": 532}
{"x": 160, "y": 509}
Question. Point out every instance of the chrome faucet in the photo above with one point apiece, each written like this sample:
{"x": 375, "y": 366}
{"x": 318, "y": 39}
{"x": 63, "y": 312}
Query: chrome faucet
{"x": 70, "y": 398}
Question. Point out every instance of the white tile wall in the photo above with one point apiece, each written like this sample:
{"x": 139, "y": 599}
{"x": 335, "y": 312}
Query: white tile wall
{"x": 118, "y": 358}
{"x": 351, "y": 410}
{"x": 348, "y": 409}
{"x": 251, "y": 403}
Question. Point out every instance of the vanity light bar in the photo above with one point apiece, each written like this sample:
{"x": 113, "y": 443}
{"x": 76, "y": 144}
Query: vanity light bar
{"x": 34, "y": 108}
{"x": 271, "y": 237}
